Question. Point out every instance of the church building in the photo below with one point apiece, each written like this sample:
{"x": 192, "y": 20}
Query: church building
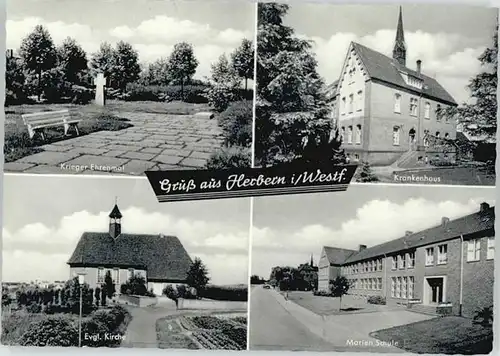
{"x": 160, "y": 259}
{"x": 387, "y": 113}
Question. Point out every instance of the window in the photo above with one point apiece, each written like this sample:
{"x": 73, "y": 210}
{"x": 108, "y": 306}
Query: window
{"x": 342, "y": 133}
{"x": 395, "y": 136}
{"x": 398, "y": 287}
{"x": 349, "y": 134}
{"x": 429, "y": 256}
{"x": 473, "y": 250}
{"x": 491, "y": 248}
{"x": 370, "y": 284}
{"x": 360, "y": 101}
{"x": 131, "y": 273}
{"x": 358, "y": 134}
{"x": 411, "y": 259}
{"x": 394, "y": 262}
{"x": 438, "y": 134}
{"x": 438, "y": 112}
{"x": 116, "y": 275}
{"x": 411, "y": 286}
{"x": 426, "y": 138}
{"x": 379, "y": 264}
{"x": 401, "y": 261}
{"x": 413, "y": 107}
{"x": 397, "y": 103}
{"x": 362, "y": 284}
{"x": 403, "y": 287}
{"x": 351, "y": 103}
{"x": 379, "y": 283}
{"x": 442, "y": 254}
{"x": 100, "y": 275}
{"x": 427, "y": 112}
{"x": 343, "y": 105}
{"x": 393, "y": 287}
{"x": 446, "y": 135}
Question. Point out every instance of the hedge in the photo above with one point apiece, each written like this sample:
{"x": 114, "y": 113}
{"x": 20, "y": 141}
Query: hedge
{"x": 237, "y": 293}
{"x": 189, "y": 94}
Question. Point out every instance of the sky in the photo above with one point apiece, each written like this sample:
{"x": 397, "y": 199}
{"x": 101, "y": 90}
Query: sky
{"x": 37, "y": 242}
{"x": 447, "y": 38}
{"x": 288, "y": 229}
{"x": 151, "y": 26}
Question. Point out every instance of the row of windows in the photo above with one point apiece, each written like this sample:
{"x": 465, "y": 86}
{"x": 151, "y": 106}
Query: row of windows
{"x": 396, "y": 133}
{"x": 367, "y": 283}
{"x": 115, "y": 274}
{"x": 413, "y": 109}
{"x": 350, "y": 105}
{"x": 442, "y": 255}
{"x": 357, "y": 136}
{"x": 474, "y": 249}
{"x": 403, "y": 261}
{"x": 402, "y": 287}
{"x": 363, "y": 267}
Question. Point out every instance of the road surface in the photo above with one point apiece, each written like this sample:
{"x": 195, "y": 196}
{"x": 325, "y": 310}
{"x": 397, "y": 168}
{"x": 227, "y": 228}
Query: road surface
{"x": 273, "y": 328}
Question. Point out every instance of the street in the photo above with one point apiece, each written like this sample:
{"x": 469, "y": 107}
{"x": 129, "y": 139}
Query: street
{"x": 273, "y": 328}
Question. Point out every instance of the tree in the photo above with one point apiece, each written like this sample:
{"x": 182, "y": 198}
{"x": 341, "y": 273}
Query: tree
{"x": 291, "y": 107}
{"x": 72, "y": 60}
{"x": 38, "y": 53}
{"x": 182, "y": 64}
{"x": 97, "y": 295}
{"x": 126, "y": 65}
{"x": 224, "y": 83}
{"x": 479, "y": 118}
{"x": 197, "y": 275}
{"x": 243, "y": 60}
{"x": 109, "y": 286}
{"x": 254, "y": 279}
{"x": 366, "y": 174}
{"x": 157, "y": 73}
{"x": 136, "y": 285}
{"x": 14, "y": 81}
{"x": 102, "y": 61}
{"x": 339, "y": 287}
{"x": 73, "y": 297}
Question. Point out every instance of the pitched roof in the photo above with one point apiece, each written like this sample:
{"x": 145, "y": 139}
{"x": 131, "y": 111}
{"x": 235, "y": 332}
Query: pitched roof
{"x": 336, "y": 255}
{"x": 384, "y": 68}
{"x": 115, "y": 213}
{"x": 163, "y": 257}
{"x": 467, "y": 225}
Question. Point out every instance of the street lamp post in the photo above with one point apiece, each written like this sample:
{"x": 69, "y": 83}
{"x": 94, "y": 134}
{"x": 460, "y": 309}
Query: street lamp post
{"x": 81, "y": 280}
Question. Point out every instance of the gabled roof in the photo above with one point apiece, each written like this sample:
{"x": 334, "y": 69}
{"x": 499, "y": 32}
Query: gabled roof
{"x": 386, "y": 69}
{"x": 337, "y": 256}
{"x": 467, "y": 225}
{"x": 163, "y": 257}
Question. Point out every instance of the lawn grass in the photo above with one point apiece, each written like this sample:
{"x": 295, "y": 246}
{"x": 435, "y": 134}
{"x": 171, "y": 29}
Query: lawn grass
{"x": 17, "y": 143}
{"x": 446, "y": 335}
{"x": 170, "y": 335}
{"x": 154, "y": 107}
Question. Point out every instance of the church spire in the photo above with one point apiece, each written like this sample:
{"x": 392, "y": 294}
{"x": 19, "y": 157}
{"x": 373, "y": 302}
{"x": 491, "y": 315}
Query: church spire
{"x": 312, "y": 263}
{"x": 399, "y": 51}
{"x": 115, "y": 224}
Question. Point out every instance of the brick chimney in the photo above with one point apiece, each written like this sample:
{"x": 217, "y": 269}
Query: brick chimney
{"x": 484, "y": 206}
{"x": 445, "y": 221}
{"x": 408, "y": 233}
{"x": 419, "y": 66}
{"x": 361, "y": 248}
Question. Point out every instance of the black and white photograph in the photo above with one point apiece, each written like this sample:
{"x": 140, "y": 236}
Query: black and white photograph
{"x": 396, "y": 269}
{"x": 108, "y": 266}
{"x": 406, "y": 92}
{"x": 126, "y": 86}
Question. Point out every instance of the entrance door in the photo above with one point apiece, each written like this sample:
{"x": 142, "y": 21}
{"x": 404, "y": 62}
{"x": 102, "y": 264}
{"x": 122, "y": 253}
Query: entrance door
{"x": 411, "y": 136}
{"x": 435, "y": 290}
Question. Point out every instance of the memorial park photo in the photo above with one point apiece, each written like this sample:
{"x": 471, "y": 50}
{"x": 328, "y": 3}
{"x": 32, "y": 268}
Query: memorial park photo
{"x": 166, "y": 90}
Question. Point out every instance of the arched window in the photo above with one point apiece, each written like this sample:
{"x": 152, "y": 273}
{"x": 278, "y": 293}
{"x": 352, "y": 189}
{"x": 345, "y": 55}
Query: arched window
{"x": 446, "y": 135}
{"x": 349, "y": 134}
{"x": 438, "y": 134}
{"x": 395, "y": 135}
{"x": 427, "y": 113}
{"x": 438, "y": 112}
{"x": 358, "y": 134}
{"x": 397, "y": 103}
{"x": 342, "y": 133}
{"x": 426, "y": 138}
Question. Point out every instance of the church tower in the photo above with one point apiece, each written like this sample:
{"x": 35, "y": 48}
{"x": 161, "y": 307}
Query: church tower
{"x": 115, "y": 225}
{"x": 399, "y": 51}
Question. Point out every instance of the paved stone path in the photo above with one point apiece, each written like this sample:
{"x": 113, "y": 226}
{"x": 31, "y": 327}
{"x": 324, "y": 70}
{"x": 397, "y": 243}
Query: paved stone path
{"x": 155, "y": 142}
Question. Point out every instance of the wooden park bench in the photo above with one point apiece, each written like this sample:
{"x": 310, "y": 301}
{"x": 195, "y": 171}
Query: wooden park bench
{"x": 39, "y": 121}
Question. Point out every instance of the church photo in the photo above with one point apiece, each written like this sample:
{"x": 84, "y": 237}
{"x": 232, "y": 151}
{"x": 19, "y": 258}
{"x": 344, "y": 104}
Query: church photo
{"x": 406, "y": 92}
{"x": 164, "y": 273}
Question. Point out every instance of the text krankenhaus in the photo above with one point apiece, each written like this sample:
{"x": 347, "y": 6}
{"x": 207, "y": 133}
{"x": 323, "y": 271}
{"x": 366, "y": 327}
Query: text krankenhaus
{"x": 241, "y": 181}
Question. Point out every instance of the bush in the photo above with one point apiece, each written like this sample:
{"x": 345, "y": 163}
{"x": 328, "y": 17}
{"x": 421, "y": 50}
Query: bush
{"x": 230, "y": 157}
{"x": 139, "y": 92}
{"x": 81, "y": 95}
{"x": 437, "y": 162}
{"x": 34, "y": 308}
{"x": 376, "y": 299}
{"x": 236, "y": 123}
{"x": 228, "y": 293}
{"x": 120, "y": 313}
{"x": 171, "y": 293}
{"x": 53, "y": 331}
{"x": 219, "y": 96}
{"x": 97, "y": 332}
